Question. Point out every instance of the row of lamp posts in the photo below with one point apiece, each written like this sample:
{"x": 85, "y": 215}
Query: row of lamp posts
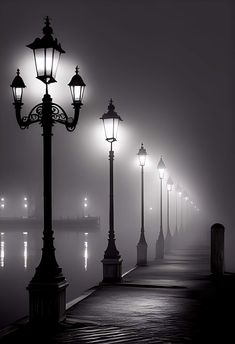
{"x": 162, "y": 244}
{"x": 47, "y": 289}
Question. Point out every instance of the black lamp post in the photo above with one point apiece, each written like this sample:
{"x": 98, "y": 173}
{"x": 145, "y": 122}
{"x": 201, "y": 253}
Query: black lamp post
{"x": 112, "y": 262}
{"x": 168, "y": 239}
{"x": 47, "y": 289}
{"x": 177, "y": 189}
{"x": 160, "y": 241}
{"x": 142, "y": 244}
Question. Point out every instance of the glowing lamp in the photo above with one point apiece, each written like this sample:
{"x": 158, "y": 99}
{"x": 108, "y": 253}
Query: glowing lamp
{"x": 77, "y": 87}
{"x": 170, "y": 184}
{"x": 47, "y": 53}
{"x": 161, "y": 168}
{"x": 17, "y": 87}
{"x": 111, "y": 122}
{"x": 142, "y": 154}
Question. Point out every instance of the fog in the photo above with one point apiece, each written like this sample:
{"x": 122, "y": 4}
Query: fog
{"x": 169, "y": 67}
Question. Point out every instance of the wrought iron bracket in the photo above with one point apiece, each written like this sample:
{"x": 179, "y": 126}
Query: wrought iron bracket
{"x": 48, "y": 112}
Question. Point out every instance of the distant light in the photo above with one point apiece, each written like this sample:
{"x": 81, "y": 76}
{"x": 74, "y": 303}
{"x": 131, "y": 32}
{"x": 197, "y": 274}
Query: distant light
{"x": 2, "y": 205}
{"x": 85, "y": 199}
{"x": 26, "y": 205}
{"x": 2, "y": 233}
{"x": 161, "y": 168}
{"x": 2, "y": 199}
{"x": 150, "y": 208}
{"x": 25, "y": 199}
{"x": 170, "y": 184}
{"x": 142, "y": 154}
{"x": 86, "y": 233}
{"x": 25, "y": 233}
{"x": 85, "y": 204}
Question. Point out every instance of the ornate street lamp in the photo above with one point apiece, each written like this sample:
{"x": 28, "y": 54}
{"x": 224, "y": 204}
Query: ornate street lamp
{"x": 142, "y": 244}
{"x": 47, "y": 289}
{"x": 112, "y": 262}
{"x": 168, "y": 239}
{"x": 160, "y": 241}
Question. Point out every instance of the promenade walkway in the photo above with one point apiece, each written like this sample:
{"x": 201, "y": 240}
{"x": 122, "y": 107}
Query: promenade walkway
{"x": 174, "y": 300}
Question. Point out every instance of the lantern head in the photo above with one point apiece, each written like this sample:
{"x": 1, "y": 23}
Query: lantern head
{"x": 111, "y": 122}
{"x": 77, "y": 87}
{"x": 142, "y": 154}
{"x": 17, "y": 88}
{"x": 170, "y": 184}
{"x": 161, "y": 168}
{"x": 47, "y": 53}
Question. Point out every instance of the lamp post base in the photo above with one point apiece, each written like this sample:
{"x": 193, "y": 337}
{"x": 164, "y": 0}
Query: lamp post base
{"x": 168, "y": 242}
{"x": 142, "y": 254}
{"x": 112, "y": 270}
{"x": 47, "y": 303}
{"x": 160, "y": 246}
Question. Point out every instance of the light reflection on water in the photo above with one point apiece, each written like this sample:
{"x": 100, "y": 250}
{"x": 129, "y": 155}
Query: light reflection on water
{"x": 25, "y": 238}
{"x": 2, "y": 250}
{"x": 79, "y": 254}
{"x": 85, "y": 251}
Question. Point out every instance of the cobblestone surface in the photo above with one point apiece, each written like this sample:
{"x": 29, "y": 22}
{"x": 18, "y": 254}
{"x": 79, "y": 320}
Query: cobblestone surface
{"x": 171, "y": 301}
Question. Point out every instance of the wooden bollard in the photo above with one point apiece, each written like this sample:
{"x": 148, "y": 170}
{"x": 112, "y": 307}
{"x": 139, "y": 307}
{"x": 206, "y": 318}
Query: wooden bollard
{"x": 217, "y": 249}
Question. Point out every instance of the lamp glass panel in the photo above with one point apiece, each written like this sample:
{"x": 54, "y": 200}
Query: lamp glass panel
{"x": 169, "y": 187}
{"x": 56, "y": 59}
{"x": 161, "y": 172}
{"x": 142, "y": 159}
{"x": 115, "y": 127}
{"x": 39, "y": 61}
{"x": 77, "y": 93}
{"x": 49, "y": 61}
{"x": 17, "y": 93}
{"x": 109, "y": 129}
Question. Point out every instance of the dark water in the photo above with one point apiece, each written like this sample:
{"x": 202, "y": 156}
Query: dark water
{"x": 79, "y": 254}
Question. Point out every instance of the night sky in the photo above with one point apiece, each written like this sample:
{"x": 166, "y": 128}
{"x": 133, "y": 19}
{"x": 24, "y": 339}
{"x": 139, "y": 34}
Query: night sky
{"x": 169, "y": 67}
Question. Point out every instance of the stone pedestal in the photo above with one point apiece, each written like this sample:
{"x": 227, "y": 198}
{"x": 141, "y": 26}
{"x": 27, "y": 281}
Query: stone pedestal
{"x": 142, "y": 254}
{"x": 47, "y": 303}
{"x": 168, "y": 242}
{"x": 112, "y": 270}
{"x": 160, "y": 246}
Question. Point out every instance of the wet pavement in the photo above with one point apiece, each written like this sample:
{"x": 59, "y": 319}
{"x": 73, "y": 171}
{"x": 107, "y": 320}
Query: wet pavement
{"x": 174, "y": 300}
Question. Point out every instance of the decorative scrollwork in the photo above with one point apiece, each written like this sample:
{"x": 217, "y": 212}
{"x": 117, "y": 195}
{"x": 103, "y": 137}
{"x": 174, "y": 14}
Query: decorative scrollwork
{"x": 47, "y": 111}
{"x": 35, "y": 114}
{"x": 58, "y": 114}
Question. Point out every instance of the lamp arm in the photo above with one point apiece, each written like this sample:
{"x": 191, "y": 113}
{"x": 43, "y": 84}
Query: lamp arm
{"x": 60, "y": 116}
{"x": 34, "y": 116}
{"x": 56, "y": 113}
